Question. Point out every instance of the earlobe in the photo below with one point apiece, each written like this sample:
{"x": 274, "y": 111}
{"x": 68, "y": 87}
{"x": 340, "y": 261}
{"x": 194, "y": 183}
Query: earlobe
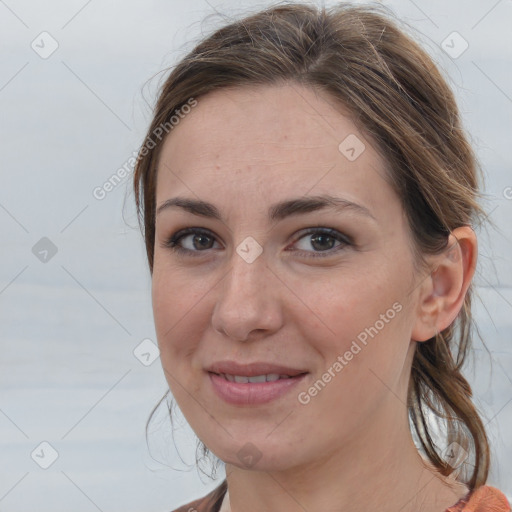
{"x": 442, "y": 293}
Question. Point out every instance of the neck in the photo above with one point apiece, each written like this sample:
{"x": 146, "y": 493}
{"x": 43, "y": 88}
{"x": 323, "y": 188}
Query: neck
{"x": 381, "y": 469}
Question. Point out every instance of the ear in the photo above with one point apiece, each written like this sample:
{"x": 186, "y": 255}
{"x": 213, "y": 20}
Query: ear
{"x": 442, "y": 293}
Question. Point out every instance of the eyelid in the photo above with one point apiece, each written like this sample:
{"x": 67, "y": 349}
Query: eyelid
{"x": 334, "y": 233}
{"x": 172, "y": 242}
{"x": 345, "y": 241}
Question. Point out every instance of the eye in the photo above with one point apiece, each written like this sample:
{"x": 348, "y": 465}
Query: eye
{"x": 200, "y": 240}
{"x": 323, "y": 239}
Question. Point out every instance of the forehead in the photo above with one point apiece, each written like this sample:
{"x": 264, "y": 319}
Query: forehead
{"x": 270, "y": 142}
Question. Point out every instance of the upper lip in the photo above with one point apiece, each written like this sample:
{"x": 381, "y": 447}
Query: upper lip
{"x": 252, "y": 369}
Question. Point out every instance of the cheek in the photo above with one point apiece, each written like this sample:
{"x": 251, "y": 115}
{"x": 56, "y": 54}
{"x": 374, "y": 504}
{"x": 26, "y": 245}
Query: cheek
{"x": 176, "y": 299}
{"x": 363, "y": 319}
{"x": 340, "y": 309}
{"x": 179, "y": 323}
{"x": 365, "y": 357}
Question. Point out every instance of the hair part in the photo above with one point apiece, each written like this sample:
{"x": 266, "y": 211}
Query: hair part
{"x": 360, "y": 57}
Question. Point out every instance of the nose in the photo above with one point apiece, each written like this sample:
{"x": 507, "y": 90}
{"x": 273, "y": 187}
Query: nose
{"x": 247, "y": 303}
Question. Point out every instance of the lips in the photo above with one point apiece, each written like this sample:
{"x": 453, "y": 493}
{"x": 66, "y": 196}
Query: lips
{"x": 240, "y": 390}
{"x": 242, "y": 379}
{"x": 233, "y": 369}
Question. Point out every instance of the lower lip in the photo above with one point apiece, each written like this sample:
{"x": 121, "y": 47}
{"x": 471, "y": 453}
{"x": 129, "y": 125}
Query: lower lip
{"x": 252, "y": 393}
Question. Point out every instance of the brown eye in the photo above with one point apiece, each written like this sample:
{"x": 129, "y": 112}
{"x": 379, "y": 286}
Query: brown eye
{"x": 199, "y": 240}
{"x": 323, "y": 241}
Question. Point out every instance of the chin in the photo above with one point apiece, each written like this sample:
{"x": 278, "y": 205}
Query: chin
{"x": 257, "y": 455}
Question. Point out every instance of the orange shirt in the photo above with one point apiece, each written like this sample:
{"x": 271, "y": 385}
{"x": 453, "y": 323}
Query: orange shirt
{"x": 483, "y": 499}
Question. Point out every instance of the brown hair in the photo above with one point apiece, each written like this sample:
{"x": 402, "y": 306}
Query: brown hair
{"x": 398, "y": 98}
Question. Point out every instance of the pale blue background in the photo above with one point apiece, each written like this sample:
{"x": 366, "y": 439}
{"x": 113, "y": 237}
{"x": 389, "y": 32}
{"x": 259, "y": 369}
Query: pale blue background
{"x": 68, "y": 374}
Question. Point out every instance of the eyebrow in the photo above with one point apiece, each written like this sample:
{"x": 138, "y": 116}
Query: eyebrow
{"x": 276, "y": 212}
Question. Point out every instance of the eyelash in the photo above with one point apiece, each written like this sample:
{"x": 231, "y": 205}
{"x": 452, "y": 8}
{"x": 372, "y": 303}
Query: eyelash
{"x": 173, "y": 241}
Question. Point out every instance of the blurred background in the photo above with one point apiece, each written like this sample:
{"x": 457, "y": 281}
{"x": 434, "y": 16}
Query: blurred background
{"x": 79, "y": 367}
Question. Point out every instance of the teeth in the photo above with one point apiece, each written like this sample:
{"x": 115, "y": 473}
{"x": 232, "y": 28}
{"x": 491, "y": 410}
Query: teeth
{"x": 258, "y": 378}
{"x": 271, "y": 377}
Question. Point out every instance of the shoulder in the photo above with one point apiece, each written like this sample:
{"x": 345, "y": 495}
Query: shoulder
{"x": 483, "y": 499}
{"x": 209, "y": 503}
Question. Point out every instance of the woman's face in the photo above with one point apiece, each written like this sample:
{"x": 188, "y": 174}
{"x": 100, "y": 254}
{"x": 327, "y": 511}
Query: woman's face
{"x": 327, "y": 292}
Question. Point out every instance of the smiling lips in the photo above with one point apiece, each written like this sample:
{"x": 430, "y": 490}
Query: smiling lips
{"x": 254, "y": 383}
{"x": 232, "y": 368}
{"x": 243, "y": 379}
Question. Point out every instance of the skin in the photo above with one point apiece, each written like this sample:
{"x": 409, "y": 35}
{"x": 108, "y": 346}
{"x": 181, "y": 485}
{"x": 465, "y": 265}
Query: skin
{"x": 350, "y": 447}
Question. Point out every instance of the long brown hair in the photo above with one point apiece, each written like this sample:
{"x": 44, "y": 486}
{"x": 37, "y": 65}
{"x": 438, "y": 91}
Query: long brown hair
{"x": 361, "y": 57}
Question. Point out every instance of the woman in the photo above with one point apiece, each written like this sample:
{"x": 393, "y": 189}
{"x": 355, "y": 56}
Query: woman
{"x": 308, "y": 196}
